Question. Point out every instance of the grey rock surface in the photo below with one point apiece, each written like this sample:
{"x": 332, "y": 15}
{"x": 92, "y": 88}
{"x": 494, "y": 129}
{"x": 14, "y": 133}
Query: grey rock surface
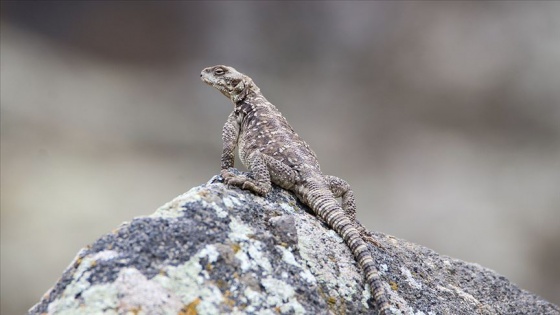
{"x": 220, "y": 250}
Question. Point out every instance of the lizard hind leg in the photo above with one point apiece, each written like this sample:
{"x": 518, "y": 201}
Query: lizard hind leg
{"x": 341, "y": 189}
{"x": 260, "y": 184}
{"x": 265, "y": 170}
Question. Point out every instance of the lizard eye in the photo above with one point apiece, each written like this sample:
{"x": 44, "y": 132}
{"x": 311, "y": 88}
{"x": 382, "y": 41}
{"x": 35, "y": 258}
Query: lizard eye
{"x": 219, "y": 71}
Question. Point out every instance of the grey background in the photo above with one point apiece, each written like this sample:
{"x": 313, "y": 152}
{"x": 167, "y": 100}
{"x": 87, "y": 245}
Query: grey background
{"x": 443, "y": 116}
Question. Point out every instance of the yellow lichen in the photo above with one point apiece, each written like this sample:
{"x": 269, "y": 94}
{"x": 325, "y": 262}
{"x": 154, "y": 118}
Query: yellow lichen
{"x": 221, "y": 283}
{"x": 227, "y": 301}
{"x": 190, "y": 309}
{"x": 235, "y": 247}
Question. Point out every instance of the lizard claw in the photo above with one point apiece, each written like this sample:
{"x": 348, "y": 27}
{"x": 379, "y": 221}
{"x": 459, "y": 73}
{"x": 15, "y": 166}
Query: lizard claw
{"x": 226, "y": 174}
{"x": 244, "y": 182}
{"x": 371, "y": 240}
{"x": 366, "y": 235}
{"x": 261, "y": 191}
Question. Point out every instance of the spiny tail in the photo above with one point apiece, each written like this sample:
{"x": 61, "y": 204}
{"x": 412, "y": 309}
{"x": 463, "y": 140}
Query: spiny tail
{"x": 326, "y": 207}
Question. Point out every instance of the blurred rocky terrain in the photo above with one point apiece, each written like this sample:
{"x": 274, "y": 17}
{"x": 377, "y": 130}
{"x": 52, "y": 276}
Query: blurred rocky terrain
{"x": 444, "y": 115}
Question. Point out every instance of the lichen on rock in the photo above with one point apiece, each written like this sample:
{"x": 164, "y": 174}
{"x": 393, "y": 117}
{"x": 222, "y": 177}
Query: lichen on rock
{"x": 220, "y": 250}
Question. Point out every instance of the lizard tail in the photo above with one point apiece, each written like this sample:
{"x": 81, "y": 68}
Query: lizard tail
{"x": 327, "y": 208}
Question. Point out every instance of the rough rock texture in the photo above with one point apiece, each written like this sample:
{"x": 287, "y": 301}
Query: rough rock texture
{"x": 216, "y": 250}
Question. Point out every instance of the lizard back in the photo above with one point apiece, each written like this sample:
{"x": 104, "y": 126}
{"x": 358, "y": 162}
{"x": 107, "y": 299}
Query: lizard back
{"x": 263, "y": 128}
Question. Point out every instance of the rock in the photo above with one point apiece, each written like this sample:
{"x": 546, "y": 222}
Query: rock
{"x": 220, "y": 250}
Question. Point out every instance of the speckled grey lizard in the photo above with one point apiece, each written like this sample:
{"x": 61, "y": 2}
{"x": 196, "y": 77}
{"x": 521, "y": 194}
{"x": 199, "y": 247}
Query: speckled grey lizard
{"x": 275, "y": 153}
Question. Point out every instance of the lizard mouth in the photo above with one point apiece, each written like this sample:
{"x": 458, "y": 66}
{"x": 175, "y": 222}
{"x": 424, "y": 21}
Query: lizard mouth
{"x": 217, "y": 86}
{"x": 204, "y": 78}
{"x": 212, "y": 84}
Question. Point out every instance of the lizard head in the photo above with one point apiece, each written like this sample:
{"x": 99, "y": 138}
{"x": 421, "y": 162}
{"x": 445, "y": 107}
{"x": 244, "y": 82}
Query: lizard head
{"x": 232, "y": 83}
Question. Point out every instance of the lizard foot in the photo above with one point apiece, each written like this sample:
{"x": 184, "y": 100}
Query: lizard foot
{"x": 371, "y": 240}
{"x": 225, "y": 174}
{"x": 245, "y": 183}
{"x": 366, "y": 236}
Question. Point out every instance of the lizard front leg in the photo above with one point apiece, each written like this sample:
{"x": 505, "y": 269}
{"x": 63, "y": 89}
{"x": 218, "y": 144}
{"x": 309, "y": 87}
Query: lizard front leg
{"x": 230, "y": 135}
{"x": 341, "y": 189}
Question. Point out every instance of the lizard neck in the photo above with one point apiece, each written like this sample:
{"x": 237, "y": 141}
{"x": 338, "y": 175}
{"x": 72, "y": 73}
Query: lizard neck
{"x": 253, "y": 100}
{"x": 252, "y": 95}
{"x": 244, "y": 108}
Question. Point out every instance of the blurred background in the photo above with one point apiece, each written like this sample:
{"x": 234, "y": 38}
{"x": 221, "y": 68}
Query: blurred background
{"x": 443, "y": 116}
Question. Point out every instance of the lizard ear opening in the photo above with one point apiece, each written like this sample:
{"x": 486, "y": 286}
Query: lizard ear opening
{"x": 240, "y": 90}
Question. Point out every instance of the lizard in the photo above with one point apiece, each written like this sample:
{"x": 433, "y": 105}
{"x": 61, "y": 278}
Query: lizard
{"x": 274, "y": 153}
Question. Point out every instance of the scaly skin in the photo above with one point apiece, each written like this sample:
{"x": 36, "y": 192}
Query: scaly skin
{"x": 275, "y": 153}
